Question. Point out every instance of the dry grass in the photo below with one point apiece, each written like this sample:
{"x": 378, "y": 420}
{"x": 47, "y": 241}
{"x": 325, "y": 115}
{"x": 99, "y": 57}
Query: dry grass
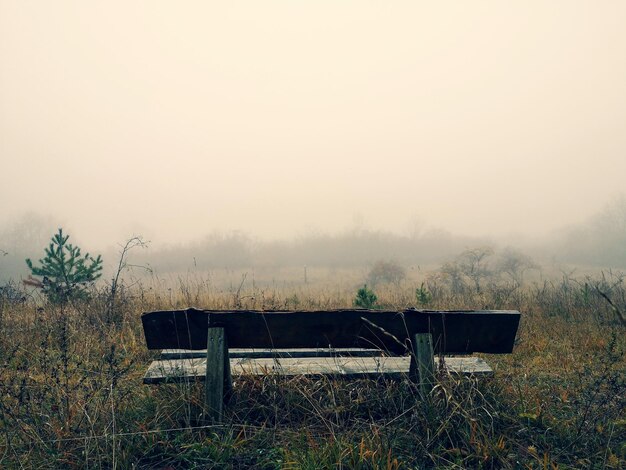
{"x": 72, "y": 395}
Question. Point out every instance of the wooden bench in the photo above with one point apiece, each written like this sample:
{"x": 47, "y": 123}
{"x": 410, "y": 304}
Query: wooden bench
{"x": 214, "y": 345}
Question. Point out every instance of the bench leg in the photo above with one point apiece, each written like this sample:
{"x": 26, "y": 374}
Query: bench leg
{"x": 218, "y": 379}
{"x": 422, "y": 363}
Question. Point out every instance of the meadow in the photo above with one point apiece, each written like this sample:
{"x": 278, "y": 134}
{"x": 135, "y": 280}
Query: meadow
{"x": 73, "y": 397}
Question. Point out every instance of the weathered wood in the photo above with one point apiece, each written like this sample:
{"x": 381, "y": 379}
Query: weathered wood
{"x": 228, "y": 379}
{"x": 215, "y": 372}
{"x": 422, "y": 362}
{"x": 269, "y": 353}
{"x": 453, "y": 332}
{"x": 182, "y": 370}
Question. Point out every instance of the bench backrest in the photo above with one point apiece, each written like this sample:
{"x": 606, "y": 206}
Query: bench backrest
{"x": 453, "y": 332}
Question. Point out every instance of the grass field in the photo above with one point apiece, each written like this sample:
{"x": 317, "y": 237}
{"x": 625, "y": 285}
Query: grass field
{"x": 72, "y": 392}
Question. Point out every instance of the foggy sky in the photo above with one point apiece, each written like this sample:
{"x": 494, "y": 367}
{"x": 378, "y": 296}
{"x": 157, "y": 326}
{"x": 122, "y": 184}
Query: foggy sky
{"x": 174, "y": 119}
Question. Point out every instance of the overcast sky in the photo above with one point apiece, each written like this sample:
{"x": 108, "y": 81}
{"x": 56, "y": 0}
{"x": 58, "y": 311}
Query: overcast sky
{"x": 174, "y": 119}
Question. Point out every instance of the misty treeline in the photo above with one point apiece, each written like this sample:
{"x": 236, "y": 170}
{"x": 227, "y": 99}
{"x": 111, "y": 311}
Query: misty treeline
{"x": 600, "y": 242}
{"x": 25, "y": 237}
{"x": 236, "y": 250}
{"x": 346, "y": 250}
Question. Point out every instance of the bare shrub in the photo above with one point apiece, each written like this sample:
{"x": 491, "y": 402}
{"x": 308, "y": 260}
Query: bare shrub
{"x": 514, "y": 264}
{"x": 386, "y": 272}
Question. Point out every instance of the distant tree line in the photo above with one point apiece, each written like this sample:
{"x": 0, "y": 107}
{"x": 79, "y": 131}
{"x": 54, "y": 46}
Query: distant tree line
{"x": 600, "y": 242}
{"x": 348, "y": 250}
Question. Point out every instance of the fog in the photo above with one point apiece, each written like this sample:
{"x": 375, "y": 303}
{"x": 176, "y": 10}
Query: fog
{"x": 270, "y": 123}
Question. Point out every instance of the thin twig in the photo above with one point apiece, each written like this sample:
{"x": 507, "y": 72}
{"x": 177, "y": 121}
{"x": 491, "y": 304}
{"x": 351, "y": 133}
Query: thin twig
{"x": 385, "y": 332}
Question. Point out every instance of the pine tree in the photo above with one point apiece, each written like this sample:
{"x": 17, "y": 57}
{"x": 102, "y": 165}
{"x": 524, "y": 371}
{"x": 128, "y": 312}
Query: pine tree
{"x": 66, "y": 272}
{"x": 365, "y": 298}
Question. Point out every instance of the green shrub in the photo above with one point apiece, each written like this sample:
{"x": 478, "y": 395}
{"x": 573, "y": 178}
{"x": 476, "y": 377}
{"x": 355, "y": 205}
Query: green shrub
{"x": 65, "y": 271}
{"x": 365, "y": 298}
{"x": 423, "y": 295}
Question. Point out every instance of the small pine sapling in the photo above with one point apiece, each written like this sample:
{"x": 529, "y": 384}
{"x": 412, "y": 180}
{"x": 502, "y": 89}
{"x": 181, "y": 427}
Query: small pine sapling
{"x": 365, "y": 298}
{"x": 423, "y": 295}
{"x": 65, "y": 271}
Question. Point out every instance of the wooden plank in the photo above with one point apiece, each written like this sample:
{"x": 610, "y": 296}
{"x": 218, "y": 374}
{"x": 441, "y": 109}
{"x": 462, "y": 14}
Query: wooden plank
{"x": 182, "y": 370}
{"x": 214, "y": 372}
{"x": 453, "y": 332}
{"x": 260, "y": 353}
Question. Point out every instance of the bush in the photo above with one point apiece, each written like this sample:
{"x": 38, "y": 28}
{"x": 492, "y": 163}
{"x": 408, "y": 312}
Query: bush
{"x": 66, "y": 273}
{"x": 11, "y": 294}
{"x": 386, "y": 271}
{"x": 423, "y": 295}
{"x": 365, "y": 298}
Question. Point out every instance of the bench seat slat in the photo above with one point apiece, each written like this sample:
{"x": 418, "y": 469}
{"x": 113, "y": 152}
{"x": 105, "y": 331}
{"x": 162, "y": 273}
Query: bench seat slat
{"x": 270, "y": 353}
{"x": 194, "y": 369}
